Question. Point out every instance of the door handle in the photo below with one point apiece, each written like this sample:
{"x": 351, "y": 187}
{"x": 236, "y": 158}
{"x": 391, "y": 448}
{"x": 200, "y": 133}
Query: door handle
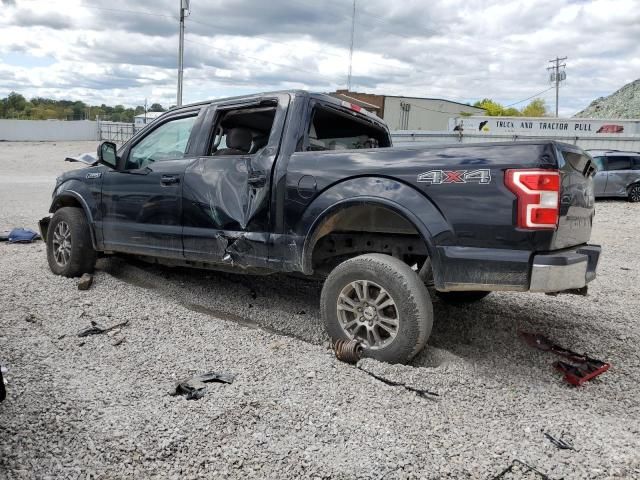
{"x": 257, "y": 179}
{"x": 169, "y": 180}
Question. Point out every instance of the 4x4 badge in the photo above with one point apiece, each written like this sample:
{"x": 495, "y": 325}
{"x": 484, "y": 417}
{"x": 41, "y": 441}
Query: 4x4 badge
{"x": 437, "y": 177}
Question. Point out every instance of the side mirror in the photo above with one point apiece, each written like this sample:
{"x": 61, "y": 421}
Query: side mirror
{"x": 107, "y": 154}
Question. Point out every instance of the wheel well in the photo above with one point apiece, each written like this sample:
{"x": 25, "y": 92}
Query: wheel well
{"x": 365, "y": 228}
{"x": 71, "y": 201}
{"x": 65, "y": 201}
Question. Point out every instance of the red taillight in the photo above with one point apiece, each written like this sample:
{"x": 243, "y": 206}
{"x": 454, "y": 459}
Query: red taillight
{"x": 538, "y": 193}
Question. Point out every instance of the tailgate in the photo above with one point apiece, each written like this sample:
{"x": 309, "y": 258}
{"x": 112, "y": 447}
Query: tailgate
{"x": 577, "y": 202}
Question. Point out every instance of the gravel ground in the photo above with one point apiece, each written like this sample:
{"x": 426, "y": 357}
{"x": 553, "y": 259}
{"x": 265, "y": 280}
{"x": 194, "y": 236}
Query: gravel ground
{"x": 86, "y": 408}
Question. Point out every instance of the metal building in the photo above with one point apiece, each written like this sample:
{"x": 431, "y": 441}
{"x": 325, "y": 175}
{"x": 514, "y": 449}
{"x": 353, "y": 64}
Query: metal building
{"x": 410, "y": 113}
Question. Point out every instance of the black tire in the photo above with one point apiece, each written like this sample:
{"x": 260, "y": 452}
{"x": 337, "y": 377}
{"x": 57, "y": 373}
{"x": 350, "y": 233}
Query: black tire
{"x": 634, "y": 193}
{"x": 410, "y": 307}
{"x": 457, "y": 298}
{"x": 77, "y": 256}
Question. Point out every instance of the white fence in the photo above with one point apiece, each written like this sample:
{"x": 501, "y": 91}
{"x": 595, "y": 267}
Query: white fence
{"x": 47, "y": 130}
{"x": 600, "y": 141}
{"x": 118, "y": 132}
{"x": 60, "y": 130}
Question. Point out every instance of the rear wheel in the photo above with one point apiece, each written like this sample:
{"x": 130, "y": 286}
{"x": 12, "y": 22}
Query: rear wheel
{"x": 380, "y": 301}
{"x": 456, "y": 298}
{"x": 69, "y": 249}
{"x": 634, "y": 193}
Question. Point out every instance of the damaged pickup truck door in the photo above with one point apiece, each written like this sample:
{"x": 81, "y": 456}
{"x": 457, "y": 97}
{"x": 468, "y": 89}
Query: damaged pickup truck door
{"x": 142, "y": 199}
{"x": 227, "y": 191}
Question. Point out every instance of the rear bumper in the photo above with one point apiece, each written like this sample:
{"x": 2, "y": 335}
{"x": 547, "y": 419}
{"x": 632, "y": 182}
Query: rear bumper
{"x": 566, "y": 270}
{"x": 486, "y": 269}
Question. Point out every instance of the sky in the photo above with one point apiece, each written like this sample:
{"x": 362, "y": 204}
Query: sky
{"x": 121, "y": 52}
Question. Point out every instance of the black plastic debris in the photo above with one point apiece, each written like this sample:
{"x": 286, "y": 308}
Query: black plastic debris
{"x": 559, "y": 442}
{"x": 3, "y": 391}
{"x": 519, "y": 468}
{"x": 418, "y": 391}
{"x": 195, "y": 387}
{"x": 96, "y": 329}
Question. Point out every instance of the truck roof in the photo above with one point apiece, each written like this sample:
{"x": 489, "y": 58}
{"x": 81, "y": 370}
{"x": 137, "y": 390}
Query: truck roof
{"x": 303, "y": 93}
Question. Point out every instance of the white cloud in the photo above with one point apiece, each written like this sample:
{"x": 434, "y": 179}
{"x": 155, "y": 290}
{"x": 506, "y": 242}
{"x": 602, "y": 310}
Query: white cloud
{"x": 103, "y": 52}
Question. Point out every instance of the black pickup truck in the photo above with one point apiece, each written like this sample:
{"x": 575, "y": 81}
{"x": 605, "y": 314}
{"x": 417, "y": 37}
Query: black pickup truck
{"x": 300, "y": 182}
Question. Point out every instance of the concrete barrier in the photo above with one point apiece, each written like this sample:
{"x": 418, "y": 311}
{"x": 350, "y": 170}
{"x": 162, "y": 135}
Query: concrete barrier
{"x": 47, "y": 130}
{"x": 416, "y": 138}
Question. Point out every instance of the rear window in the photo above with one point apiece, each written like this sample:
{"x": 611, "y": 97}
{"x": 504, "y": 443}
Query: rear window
{"x": 332, "y": 129}
{"x": 618, "y": 162}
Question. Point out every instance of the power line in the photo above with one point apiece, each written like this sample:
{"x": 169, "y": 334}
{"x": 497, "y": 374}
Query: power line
{"x": 529, "y": 98}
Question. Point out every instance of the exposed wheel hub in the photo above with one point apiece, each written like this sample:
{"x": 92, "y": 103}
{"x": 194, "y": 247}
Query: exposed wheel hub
{"x": 367, "y": 313}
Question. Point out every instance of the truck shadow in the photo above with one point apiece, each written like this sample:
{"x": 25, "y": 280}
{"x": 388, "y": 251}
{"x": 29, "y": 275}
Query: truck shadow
{"x": 482, "y": 336}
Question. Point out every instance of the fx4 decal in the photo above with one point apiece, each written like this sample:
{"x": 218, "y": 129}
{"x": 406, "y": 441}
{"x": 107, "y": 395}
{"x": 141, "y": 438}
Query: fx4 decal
{"x": 437, "y": 177}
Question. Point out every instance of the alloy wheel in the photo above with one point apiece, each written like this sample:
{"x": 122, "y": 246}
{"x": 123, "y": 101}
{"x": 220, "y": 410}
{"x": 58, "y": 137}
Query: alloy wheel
{"x": 62, "y": 243}
{"x": 368, "y": 313}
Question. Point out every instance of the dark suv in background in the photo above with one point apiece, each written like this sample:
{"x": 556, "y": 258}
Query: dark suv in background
{"x": 618, "y": 174}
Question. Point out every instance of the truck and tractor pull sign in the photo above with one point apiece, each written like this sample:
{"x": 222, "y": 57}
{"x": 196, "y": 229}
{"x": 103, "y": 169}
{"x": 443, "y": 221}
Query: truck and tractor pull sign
{"x": 438, "y": 177}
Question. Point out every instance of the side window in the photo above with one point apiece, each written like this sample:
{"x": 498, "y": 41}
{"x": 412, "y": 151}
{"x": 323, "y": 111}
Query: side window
{"x": 167, "y": 142}
{"x": 618, "y": 162}
{"x": 332, "y": 129}
{"x": 636, "y": 163}
{"x": 242, "y": 131}
{"x": 599, "y": 161}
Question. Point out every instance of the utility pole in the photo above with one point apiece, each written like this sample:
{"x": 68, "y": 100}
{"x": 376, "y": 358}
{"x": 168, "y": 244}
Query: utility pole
{"x": 184, "y": 5}
{"x": 145, "y": 111}
{"x": 353, "y": 30}
{"x": 557, "y": 76}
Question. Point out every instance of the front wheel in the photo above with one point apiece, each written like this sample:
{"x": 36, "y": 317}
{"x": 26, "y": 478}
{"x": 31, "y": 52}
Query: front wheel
{"x": 69, "y": 249}
{"x": 380, "y": 301}
{"x": 634, "y": 193}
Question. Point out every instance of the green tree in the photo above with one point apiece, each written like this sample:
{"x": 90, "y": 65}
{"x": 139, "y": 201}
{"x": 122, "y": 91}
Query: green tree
{"x": 511, "y": 112}
{"x": 16, "y": 102}
{"x": 537, "y": 108}
{"x": 493, "y": 109}
{"x": 156, "y": 107}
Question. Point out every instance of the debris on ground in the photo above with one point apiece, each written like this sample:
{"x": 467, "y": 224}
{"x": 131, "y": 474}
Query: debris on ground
{"x": 195, "y": 387}
{"x": 559, "y": 442}
{"x": 351, "y": 351}
{"x": 3, "y": 391}
{"x": 20, "y": 235}
{"x": 418, "y": 391}
{"x": 348, "y": 351}
{"x": 85, "y": 282}
{"x": 582, "y": 367}
{"x": 96, "y": 329}
{"x": 118, "y": 341}
{"x": 519, "y": 467}
{"x": 31, "y": 318}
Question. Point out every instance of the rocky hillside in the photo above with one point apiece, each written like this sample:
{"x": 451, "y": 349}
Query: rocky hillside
{"x": 625, "y": 103}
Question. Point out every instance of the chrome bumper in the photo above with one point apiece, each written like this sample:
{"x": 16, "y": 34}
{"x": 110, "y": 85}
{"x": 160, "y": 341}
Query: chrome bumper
{"x": 566, "y": 270}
